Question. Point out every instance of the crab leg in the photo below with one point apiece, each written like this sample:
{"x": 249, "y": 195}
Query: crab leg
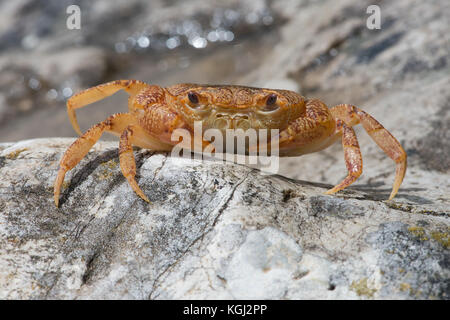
{"x": 115, "y": 123}
{"x": 352, "y": 115}
{"x": 352, "y": 154}
{"x": 91, "y": 95}
{"x": 135, "y": 135}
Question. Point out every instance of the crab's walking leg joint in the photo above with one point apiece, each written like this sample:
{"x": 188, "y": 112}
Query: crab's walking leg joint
{"x": 115, "y": 124}
{"x": 134, "y": 135}
{"x": 91, "y": 95}
{"x": 352, "y": 154}
{"x": 352, "y": 115}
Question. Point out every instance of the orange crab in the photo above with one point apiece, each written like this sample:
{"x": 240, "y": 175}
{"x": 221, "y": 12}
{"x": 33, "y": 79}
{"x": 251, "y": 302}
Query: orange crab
{"x": 154, "y": 113}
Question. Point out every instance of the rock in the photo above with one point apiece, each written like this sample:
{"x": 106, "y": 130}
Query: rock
{"x": 213, "y": 231}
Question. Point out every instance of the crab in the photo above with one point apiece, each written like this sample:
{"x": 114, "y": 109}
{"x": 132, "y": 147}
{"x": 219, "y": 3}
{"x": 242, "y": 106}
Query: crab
{"x": 154, "y": 113}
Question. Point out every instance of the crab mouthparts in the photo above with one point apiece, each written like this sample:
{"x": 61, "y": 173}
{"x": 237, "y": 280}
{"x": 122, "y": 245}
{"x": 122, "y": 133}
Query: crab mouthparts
{"x": 223, "y": 122}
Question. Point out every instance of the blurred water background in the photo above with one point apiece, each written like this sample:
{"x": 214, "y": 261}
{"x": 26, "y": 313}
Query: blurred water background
{"x": 42, "y": 62}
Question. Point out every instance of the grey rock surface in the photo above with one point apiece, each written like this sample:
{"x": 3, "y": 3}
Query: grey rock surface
{"x": 214, "y": 230}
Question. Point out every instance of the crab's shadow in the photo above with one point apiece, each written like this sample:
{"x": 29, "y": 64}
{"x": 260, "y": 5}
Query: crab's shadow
{"x": 364, "y": 191}
{"x": 367, "y": 191}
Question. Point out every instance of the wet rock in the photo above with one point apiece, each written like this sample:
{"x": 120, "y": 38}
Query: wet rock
{"x": 213, "y": 231}
{"x": 88, "y": 65}
{"x": 31, "y": 85}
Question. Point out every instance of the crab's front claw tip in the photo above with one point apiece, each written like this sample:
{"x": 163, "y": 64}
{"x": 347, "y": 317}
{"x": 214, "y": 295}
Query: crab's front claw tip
{"x": 56, "y": 193}
{"x": 77, "y": 129}
{"x": 331, "y": 191}
{"x": 144, "y": 197}
{"x": 400, "y": 172}
{"x": 58, "y": 183}
{"x": 73, "y": 121}
{"x": 393, "y": 194}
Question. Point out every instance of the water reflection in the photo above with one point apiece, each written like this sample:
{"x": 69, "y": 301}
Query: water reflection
{"x": 132, "y": 42}
{"x": 195, "y": 32}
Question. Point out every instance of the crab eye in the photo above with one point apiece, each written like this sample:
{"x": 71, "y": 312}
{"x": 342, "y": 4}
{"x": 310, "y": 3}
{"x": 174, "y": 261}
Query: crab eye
{"x": 271, "y": 99}
{"x": 271, "y": 103}
{"x": 193, "y": 97}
